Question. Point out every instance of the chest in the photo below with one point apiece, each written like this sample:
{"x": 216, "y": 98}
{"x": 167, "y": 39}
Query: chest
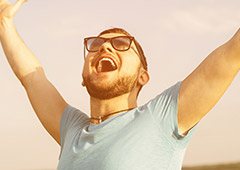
{"x": 139, "y": 144}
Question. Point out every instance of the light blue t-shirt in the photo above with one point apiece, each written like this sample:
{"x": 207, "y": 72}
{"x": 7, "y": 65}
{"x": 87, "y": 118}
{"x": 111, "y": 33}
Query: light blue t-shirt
{"x": 145, "y": 138}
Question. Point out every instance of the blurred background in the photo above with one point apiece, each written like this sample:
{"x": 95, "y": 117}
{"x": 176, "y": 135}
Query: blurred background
{"x": 175, "y": 35}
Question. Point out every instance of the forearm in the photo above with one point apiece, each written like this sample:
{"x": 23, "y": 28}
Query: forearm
{"x": 19, "y": 56}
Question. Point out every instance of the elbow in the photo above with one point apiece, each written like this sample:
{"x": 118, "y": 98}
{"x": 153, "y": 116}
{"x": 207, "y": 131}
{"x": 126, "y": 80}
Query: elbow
{"x": 33, "y": 76}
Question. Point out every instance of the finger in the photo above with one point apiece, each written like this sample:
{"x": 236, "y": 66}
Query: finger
{"x": 16, "y": 6}
{"x": 2, "y": 2}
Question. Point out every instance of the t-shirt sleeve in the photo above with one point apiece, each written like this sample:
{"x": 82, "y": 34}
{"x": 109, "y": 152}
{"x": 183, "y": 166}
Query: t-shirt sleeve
{"x": 164, "y": 109}
{"x": 72, "y": 118}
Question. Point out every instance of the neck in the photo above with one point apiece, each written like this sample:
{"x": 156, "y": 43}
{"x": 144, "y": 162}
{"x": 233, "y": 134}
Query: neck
{"x": 110, "y": 107}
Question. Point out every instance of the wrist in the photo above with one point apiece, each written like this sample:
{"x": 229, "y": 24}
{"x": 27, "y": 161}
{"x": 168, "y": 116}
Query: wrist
{"x": 6, "y": 24}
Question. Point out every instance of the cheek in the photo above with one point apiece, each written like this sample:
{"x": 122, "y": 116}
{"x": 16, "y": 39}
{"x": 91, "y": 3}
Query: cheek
{"x": 87, "y": 65}
{"x": 131, "y": 64}
{"x": 86, "y": 68}
{"x": 85, "y": 71}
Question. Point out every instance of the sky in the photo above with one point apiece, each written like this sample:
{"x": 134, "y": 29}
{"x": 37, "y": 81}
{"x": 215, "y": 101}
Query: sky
{"x": 176, "y": 37}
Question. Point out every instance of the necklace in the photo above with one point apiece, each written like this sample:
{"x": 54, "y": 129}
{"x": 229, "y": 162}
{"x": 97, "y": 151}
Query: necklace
{"x": 99, "y": 119}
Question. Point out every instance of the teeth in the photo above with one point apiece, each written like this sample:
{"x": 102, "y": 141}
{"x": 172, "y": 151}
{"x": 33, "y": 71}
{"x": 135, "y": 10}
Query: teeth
{"x": 99, "y": 68}
{"x": 108, "y": 59}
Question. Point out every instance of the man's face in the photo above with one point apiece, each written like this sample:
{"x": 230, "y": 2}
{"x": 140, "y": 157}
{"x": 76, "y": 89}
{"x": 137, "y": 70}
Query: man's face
{"x": 103, "y": 83}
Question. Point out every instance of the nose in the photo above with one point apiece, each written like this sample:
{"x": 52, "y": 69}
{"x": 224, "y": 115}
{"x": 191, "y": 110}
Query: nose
{"x": 106, "y": 47}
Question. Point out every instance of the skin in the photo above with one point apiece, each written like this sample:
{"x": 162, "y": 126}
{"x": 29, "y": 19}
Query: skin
{"x": 30, "y": 73}
{"x": 198, "y": 94}
{"x": 203, "y": 88}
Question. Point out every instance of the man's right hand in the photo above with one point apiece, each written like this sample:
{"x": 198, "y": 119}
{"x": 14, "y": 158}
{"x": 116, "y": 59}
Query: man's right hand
{"x": 8, "y": 10}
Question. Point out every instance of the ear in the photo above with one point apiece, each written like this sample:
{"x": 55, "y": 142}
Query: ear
{"x": 143, "y": 77}
{"x": 83, "y": 84}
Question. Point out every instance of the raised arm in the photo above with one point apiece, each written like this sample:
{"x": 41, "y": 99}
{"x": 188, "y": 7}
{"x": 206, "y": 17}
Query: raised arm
{"x": 202, "y": 89}
{"x": 47, "y": 103}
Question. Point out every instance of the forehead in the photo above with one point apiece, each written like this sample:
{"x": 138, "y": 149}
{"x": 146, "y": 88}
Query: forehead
{"x": 110, "y": 35}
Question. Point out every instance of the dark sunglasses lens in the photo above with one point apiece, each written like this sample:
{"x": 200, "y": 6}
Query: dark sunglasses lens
{"x": 93, "y": 44}
{"x": 121, "y": 43}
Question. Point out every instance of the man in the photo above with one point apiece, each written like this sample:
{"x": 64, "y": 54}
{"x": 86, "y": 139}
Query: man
{"x": 119, "y": 134}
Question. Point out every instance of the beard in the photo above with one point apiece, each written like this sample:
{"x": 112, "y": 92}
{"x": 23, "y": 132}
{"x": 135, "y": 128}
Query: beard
{"x": 105, "y": 90}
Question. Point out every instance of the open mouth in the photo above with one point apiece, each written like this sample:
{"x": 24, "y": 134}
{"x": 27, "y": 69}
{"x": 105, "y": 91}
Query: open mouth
{"x": 105, "y": 65}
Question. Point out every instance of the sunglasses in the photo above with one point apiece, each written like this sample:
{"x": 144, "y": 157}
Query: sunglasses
{"x": 119, "y": 43}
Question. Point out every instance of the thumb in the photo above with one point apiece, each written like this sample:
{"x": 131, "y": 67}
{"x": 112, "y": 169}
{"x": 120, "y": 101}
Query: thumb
{"x": 16, "y": 6}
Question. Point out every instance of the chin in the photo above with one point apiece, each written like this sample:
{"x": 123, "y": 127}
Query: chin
{"x": 110, "y": 89}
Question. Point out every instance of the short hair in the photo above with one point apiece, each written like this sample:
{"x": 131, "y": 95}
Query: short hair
{"x": 139, "y": 48}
